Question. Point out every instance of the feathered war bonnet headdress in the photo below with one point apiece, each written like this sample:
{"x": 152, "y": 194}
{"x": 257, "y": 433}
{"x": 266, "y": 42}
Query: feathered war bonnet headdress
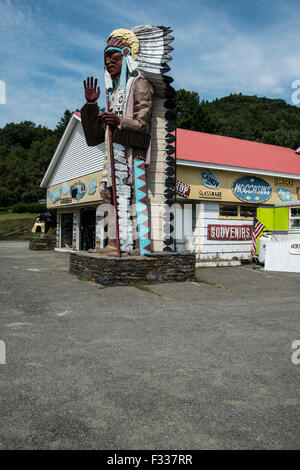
{"x": 145, "y": 50}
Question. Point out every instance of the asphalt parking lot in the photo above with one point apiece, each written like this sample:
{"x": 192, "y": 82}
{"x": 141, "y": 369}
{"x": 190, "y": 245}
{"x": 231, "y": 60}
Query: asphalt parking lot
{"x": 202, "y": 365}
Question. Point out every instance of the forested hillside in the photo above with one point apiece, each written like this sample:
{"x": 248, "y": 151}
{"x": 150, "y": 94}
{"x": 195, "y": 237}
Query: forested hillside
{"x": 25, "y": 152}
{"x": 260, "y": 119}
{"x": 246, "y": 117}
{"x": 26, "y": 148}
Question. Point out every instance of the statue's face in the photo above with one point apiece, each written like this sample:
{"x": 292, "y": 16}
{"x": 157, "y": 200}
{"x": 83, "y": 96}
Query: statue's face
{"x": 113, "y": 62}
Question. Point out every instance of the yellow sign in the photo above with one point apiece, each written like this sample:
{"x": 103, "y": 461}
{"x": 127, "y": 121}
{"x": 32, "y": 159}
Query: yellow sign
{"x": 76, "y": 191}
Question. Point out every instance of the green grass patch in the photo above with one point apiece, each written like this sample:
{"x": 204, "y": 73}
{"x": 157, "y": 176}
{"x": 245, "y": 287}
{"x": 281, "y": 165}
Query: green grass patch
{"x": 25, "y": 215}
{"x": 13, "y": 222}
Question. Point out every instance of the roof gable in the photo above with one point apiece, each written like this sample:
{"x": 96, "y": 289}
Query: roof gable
{"x": 73, "y": 158}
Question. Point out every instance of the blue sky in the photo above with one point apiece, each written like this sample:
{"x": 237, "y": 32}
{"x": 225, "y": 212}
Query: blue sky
{"x": 47, "y": 48}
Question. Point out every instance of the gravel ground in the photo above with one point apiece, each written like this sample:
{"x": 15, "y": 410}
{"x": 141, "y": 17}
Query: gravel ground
{"x": 199, "y": 365}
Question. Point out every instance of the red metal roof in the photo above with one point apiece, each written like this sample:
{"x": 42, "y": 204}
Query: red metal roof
{"x": 220, "y": 150}
{"x": 229, "y": 151}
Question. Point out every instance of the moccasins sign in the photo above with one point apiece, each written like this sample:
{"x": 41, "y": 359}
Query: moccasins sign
{"x": 252, "y": 189}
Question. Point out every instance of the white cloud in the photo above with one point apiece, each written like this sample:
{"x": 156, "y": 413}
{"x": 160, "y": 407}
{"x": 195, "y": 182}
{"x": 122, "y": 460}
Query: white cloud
{"x": 45, "y": 56}
{"x": 41, "y": 69}
{"x": 230, "y": 60}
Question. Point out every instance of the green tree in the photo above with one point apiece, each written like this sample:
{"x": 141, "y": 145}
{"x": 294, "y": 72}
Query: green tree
{"x": 23, "y": 133}
{"x": 62, "y": 124}
{"x": 191, "y": 114}
{"x": 25, "y": 153}
{"x": 271, "y": 121}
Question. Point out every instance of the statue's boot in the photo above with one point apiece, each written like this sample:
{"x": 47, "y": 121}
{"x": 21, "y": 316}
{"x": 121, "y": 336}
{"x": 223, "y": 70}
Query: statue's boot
{"x": 136, "y": 250}
{"x": 110, "y": 249}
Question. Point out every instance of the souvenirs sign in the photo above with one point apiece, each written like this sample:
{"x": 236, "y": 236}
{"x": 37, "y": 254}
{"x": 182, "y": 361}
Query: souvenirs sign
{"x": 209, "y": 179}
{"x": 229, "y": 232}
{"x": 252, "y": 189}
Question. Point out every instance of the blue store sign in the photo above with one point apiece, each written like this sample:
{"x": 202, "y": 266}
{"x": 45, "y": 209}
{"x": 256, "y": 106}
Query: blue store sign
{"x": 92, "y": 186}
{"x": 209, "y": 179}
{"x": 252, "y": 189}
{"x": 284, "y": 194}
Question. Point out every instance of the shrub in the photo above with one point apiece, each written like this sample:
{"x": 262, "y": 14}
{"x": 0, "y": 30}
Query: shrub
{"x": 34, "y": 207}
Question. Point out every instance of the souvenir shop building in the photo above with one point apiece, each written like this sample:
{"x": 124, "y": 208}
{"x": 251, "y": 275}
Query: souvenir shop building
{"x": 221, "y": 181}
{"x": 225, "y": 180}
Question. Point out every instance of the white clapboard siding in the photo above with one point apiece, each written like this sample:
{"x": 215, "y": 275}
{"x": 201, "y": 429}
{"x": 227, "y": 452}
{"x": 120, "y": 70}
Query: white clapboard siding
{"x": 278, "y": 257}
{"x": 77, "y": 158}
{"x": 220, "y": 249}
{"x": 231, "y": 247}
{"x": 195, "y": 224}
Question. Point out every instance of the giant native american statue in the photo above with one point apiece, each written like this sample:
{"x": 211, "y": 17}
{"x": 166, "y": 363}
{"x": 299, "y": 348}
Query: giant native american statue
{"x": 137, "y": 130}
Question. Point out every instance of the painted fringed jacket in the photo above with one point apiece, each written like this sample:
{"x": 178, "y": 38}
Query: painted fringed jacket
{"x": 134, "y": 129}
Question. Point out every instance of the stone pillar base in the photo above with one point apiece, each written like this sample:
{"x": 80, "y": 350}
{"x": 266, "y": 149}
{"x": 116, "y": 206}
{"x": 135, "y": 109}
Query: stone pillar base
{"x": 46, "y": 243}
{"x": 149, "y": 269}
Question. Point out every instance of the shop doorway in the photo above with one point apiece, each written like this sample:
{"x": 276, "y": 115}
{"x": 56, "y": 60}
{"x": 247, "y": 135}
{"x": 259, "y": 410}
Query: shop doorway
{"x": 87, "y": 229}
{"x": 66, "y": 230}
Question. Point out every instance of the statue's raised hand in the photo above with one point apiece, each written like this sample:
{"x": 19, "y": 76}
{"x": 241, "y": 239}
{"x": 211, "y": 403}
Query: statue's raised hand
{"x": 91, "y": 91}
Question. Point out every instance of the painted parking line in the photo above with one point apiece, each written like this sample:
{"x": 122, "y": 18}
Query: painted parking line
{"x": 61, "y": 314}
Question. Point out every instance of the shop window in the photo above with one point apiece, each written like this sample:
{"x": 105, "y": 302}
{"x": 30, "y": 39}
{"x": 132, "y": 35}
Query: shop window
{"x": 247, "y": 211}
{"x": 237, "y": 211}
{"x": 228, "y": 211}
{"x": 295, "y": 217}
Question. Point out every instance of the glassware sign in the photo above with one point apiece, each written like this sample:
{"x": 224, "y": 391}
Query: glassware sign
{"x": 252, "y": 189}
